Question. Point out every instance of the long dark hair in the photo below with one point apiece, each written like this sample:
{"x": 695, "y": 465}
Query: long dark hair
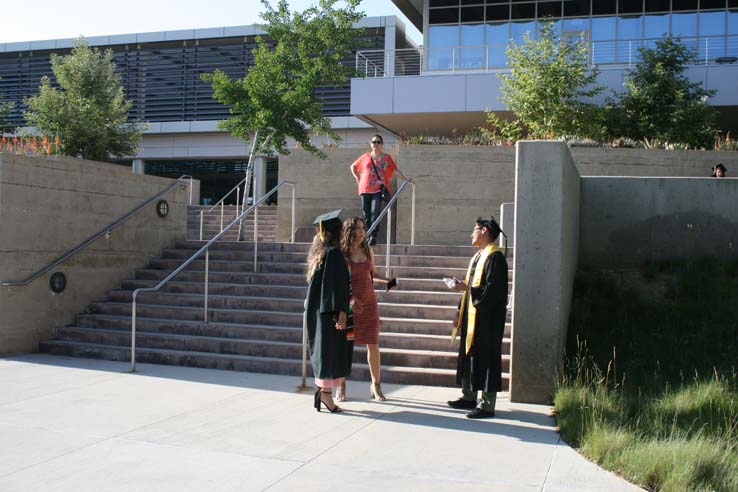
{"x": 330, "y": 238}
{"x": 350, "y": 226}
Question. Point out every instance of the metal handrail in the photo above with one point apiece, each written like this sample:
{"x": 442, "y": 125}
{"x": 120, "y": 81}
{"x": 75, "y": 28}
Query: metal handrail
{"x": 206, "y": 250}
{"x": 103, "y": 232}
{"x": 387, "y": 211}
{"x": 221, "y": 202}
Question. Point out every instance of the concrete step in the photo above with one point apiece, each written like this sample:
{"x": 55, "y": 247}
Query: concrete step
{"x": 291, "y": 291}
{"x": 262, "y": 332}
{"x": 390, "y": 374}
{"x": 286, "y": 305}
{"x": 428, "y": 359}
{"x": 291, "y": 279}
{"x": 279, "y": 267}
{"x": 299, "y": 257}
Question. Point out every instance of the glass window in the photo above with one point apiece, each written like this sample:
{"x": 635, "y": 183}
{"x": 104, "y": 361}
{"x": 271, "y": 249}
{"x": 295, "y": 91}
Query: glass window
{"x": 576, "y": 7}
{"x": 630, "y": 27}
{"x": 443, "y": 16}
{"x": 684, "y": 25}
{"x": 657, "y": 6}
{"x": 518, "y": 30}
{"x": 684, "y": 5}
{"x": 603, "y": 7}
{"x": 732, "y": 4}
{"x": 443, "y": 3}
{"x": 498, "y": 37}
{"x": 498, "y": 12}
{"x": 549, "y": 9}
{"x": 655, "y": 25}
{"x": 472, "y": 2}
{"x": 576, "y": 25}
{"x": 732, "y": 23}
{"x": 442, "y": 41}
{"x": 472, "y": 35}
{"x": 603, "y": 28}
{"x": 630, "y": 6}
{"x": 472, "y": 14}
{"x": 443, "y": 36}
{"x": 523, "y": 11}
{"x": 712, "y": 4}
{"x": 712, "y": 24}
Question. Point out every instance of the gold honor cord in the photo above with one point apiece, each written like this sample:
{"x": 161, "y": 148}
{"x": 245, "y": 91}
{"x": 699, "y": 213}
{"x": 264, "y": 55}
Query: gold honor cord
{"x": 471, "y": 317}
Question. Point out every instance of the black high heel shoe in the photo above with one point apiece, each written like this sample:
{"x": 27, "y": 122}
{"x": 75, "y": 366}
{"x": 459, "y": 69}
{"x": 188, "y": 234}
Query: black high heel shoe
{"x": 316, "y": 400}
{"x": 335, "y": 408}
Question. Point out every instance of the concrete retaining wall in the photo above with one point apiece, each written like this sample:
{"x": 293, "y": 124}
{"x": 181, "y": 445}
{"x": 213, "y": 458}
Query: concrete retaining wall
{"x": 547, "y": 196}
{"x": 49, "y": 206}
{"x": 455, "y": 184}
{"x": 321, "y": 185}
{"x": 626, "y": 221}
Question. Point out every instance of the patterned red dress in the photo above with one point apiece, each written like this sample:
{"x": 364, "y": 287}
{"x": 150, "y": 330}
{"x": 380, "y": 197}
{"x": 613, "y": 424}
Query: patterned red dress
{"x": 366, "y": 309}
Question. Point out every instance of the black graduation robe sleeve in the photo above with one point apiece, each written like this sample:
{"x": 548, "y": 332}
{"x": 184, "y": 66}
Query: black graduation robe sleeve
{"x": 494, "y": 286}
{"x": 334, "y": 296}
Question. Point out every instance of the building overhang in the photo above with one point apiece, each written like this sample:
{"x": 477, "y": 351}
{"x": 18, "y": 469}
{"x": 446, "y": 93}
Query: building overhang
{"x": 413, "y": 10}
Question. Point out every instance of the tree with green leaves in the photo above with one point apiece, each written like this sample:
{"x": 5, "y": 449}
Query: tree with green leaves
{"x": 549, "y": 85}
{"x": 5, "y": 108}
{"x": 88, "y": 111}
{"x": 660, "y": 105}
{"x": 276, "y": 99}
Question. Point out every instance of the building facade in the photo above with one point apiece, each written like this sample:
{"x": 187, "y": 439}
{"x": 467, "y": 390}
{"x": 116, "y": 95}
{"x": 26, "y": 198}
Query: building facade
{"x": 464, "y": 44}
{"x": 161, "y": 75}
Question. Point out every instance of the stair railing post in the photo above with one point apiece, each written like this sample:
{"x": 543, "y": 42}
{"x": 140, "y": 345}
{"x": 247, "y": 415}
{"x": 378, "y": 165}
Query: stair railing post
{"x": 207, "y": 265}
{"x": 191, "y": 190}
{"x": 292, "y": 228}
{"x": 412, "y": 217}
{"x": 389, "y": 235}
{"x": 238, "y": 192}
{"x": 221, "y": 214}
{"x": 201, "y": 225}
{"x": 256, "y": 235}
{"x": 133, "y": 332}
{"x": 304, "y": 350}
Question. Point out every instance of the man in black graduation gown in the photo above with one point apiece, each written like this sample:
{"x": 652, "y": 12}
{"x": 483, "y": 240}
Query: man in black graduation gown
{"x": 326, "y": 305}
{"x": 481, "y": 323}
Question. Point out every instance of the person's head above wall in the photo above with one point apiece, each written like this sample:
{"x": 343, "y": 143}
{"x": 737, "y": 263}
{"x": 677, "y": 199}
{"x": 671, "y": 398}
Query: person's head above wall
{"x": 719, "y": 171}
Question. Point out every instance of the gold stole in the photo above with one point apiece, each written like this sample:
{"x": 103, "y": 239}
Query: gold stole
{"x": 471, "y": 317}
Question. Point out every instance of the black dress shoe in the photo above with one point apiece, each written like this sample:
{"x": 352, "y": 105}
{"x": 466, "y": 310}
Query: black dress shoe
{"x": 462, "y": 403}
{"x": 478, "y": 413}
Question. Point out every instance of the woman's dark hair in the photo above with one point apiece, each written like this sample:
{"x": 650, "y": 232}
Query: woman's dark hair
{"x": 330, "y": 238}
{"x": 349, "y": 235}
{"x": 720, "y": 167}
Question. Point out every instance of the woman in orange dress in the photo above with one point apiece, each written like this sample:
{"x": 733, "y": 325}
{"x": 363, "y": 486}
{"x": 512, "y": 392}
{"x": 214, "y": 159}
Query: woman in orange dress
{"x": 360, "y": 259}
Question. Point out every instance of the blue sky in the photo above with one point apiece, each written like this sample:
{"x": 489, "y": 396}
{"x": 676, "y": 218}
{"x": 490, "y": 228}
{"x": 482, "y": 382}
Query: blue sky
{"x": 47, "y": 19}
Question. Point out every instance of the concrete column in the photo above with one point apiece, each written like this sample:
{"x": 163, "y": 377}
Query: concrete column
{"x": 139, "y": 166}
{"x": 546, "y": 242}
{"x": 260, "y": 171}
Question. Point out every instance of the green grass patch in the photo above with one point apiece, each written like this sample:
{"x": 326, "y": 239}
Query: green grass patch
{"x": 650, "y": 389}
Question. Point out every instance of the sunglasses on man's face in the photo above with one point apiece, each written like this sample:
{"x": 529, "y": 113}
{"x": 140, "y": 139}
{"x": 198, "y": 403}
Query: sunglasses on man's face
{"x": 376, "y": 142}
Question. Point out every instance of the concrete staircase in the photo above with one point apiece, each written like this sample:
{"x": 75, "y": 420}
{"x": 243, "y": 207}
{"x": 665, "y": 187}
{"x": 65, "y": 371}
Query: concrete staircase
{"x": 255, "y": 319}
{"x": 211, "y": 223}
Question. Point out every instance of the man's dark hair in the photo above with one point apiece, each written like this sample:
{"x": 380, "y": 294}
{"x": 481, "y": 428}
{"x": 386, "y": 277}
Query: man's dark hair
{"x": 493, "y": 228}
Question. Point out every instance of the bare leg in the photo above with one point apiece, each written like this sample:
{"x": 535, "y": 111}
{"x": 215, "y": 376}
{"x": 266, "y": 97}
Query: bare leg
{"x": 373, "y": 359}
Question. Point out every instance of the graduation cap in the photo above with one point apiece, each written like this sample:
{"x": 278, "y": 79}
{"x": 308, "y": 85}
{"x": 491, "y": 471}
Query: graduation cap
{"x": 329, "y": 221}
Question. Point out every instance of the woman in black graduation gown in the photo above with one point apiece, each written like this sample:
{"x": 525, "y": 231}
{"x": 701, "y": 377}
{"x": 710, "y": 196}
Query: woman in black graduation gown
{"x": 326, "y": 306}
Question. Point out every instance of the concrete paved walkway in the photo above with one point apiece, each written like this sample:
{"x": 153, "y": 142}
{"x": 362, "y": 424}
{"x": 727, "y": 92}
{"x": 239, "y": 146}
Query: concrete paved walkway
{"x": 85, "y": 425}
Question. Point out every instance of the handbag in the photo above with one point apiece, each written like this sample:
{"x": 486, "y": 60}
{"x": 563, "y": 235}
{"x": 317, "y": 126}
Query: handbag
{"x": 386, "y": 195}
